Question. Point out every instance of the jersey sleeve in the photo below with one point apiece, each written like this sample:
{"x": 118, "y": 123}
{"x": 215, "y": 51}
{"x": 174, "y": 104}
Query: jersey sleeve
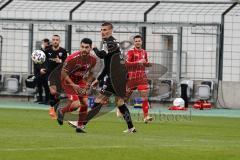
{"x": 65, "y": 54}
{"x": 101, "y": 54}
{"x": 146, "y": 56}
{"x": 69, "y": 65}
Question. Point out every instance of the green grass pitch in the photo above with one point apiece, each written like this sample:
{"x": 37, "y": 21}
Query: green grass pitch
{"x": 30, "y": 134}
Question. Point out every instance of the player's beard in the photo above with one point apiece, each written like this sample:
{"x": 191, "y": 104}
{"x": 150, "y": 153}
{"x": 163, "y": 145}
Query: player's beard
{"x": 85, "y": 55}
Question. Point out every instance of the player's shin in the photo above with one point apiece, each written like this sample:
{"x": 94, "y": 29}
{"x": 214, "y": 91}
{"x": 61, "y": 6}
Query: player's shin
{"x": 126, "y": 115}
{"x": 93, "y": 112}
{"x": 82, "y": 119}
{"x": 145, "y": 107}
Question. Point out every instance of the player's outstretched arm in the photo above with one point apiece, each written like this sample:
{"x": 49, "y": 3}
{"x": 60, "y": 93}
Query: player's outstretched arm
{"x": 101, "y": 54}
{"x": 132, "y": 64}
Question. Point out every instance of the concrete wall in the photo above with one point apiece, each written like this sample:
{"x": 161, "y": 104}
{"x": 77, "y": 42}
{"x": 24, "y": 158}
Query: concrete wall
{"x": 229, "y": 95}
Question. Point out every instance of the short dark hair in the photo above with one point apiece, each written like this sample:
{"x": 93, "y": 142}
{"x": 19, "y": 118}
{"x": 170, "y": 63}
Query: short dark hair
{"x": 56, "y": 35}
{"x": 46, "y": 40}
{"x": 107, "y": 24}
{"x": 138, "y": 36}
{"x": 87, "y": 41}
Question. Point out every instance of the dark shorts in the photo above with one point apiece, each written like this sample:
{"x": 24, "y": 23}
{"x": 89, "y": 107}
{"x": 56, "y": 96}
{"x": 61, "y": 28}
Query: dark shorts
{"x": 107, "y": 88}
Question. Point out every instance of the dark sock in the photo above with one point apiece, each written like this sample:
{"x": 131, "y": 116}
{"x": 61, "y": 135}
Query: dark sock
{"x": 93, "y": 112}
{"x": 126, "y": 115}
{"x": 82, "y": 115}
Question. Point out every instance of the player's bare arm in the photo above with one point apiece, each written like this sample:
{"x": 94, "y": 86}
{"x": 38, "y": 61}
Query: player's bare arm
{"x": 90, "y": 78}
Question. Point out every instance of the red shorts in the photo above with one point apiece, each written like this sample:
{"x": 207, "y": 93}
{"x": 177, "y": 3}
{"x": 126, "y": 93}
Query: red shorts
{"x": 143, "y": 87}
{"x": 137, "y": 83}
{"x": 71, "y": 94}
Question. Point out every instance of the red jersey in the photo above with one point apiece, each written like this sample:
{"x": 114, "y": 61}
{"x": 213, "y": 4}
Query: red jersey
{"x": 77, "y": 67}
{"x": 136, "y": 71}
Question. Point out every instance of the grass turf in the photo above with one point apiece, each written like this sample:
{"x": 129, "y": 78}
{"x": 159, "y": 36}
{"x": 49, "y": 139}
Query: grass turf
{"x": 31, "y": 134}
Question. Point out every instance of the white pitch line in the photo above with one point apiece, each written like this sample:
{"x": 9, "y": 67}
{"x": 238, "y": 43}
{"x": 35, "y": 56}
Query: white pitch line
{"x": 85, "y": 147}
{"x": 58, "y": 148}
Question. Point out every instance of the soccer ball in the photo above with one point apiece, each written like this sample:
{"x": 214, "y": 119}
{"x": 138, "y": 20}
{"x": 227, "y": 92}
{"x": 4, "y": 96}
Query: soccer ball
{"x": 179, "y": 102}
{"x": 38, "y": 56}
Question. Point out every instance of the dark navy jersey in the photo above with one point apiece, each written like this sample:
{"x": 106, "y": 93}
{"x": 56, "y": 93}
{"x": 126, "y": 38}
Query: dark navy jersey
{"x": 50, "y": 64}
{"x": 112, "y": 47}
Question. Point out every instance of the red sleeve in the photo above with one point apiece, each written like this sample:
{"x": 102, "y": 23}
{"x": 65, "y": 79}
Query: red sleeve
{"x": 70, "y": 62}
{"x": 146, "y": 56}
{"x": 72, "y": 56}
{"x": 69, "y": 65}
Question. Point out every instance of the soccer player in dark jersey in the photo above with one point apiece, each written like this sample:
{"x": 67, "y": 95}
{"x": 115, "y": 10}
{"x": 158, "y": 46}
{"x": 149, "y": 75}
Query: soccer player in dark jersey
{"x": 136, "y": 62}
{"x": 76, "y": 78}
{"x": 111, "y": 48}
{"x": 55, "y": 56}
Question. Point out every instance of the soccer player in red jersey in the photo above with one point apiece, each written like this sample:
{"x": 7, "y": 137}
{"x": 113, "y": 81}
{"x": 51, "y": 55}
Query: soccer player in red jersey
{"x": 136, "y": 62}
{"x": 76, "y": 78}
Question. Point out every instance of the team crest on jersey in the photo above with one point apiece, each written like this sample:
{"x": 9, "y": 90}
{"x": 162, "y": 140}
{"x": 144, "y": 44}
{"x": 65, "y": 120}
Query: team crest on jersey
{"x": 60, "y": 54}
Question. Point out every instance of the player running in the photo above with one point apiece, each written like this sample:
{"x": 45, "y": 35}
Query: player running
{"x": 136, "y": 62}
{"x": 76, "y": 78}
{"x": 111, "y": 48}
